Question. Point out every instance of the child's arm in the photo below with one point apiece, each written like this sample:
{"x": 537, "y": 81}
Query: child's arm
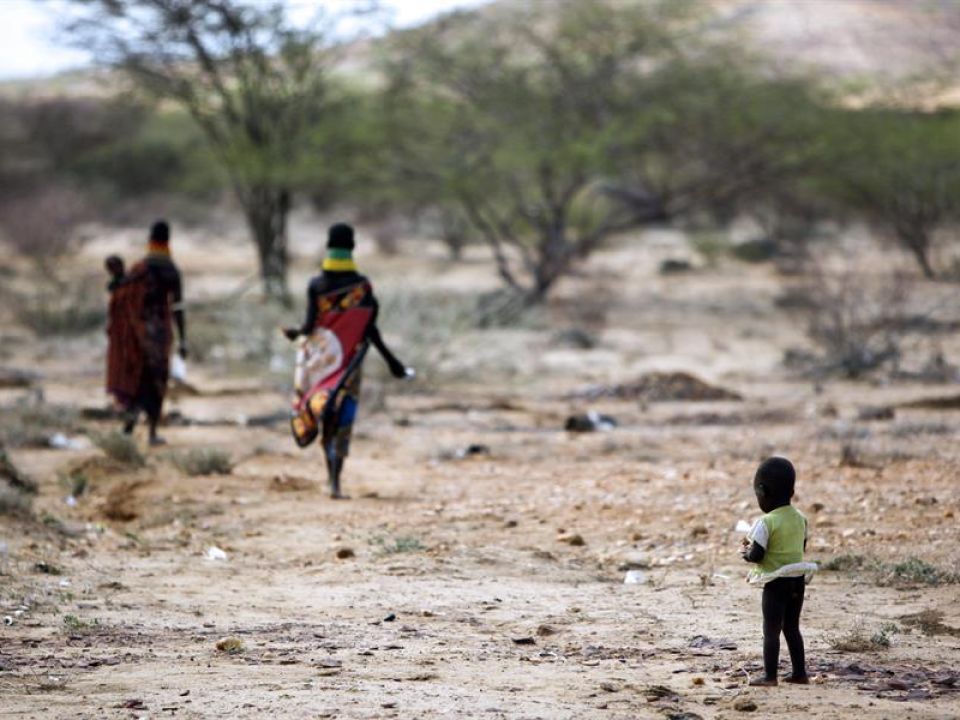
{"x": 753, "y": 553}
{"x": 755, "y": 544}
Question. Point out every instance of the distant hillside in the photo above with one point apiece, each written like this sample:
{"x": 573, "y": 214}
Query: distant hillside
{"x": 885, "y": 41}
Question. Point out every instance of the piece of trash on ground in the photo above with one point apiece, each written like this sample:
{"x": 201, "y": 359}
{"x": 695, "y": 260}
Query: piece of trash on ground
{"x": 215, "y": 553}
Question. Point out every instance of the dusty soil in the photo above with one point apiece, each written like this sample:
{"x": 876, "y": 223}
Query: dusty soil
{"x": 490, "y": 583}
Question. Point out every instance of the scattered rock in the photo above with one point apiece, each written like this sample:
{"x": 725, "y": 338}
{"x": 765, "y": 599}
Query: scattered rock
{"x": 816, "y": 507}
{"x": 473, "y": 450}
{"x": 635, "y": 577}
{"x": 290, "y": 483}
{"x": 390, "y": 618}
{"x": 345, "y": 553}
{"x": 657, "y": 692}
{"x": 591, "y": 421}
{"x": 927, "y": 501}
{"x": 609, "y": 687}
{"x": 546, "y": 630}
{"x": 230, "y": 646}
{"x": 699, "y": 531}
{"x": 509, "y": 524}
{"x": 880, "y": 412}
{"x": 672, "y": 266}
{"x": 744, "y": 704}
{"x": 634, "y": 561}
{"x": 575, "y": 338}
{"x": 524, "y": 641}
{"x": 660, "y": 387}
{"x": 47, "y": 568}
{"x": 574, "y": 539}
{"x": 702, "y": 641}
{"x": 697, "y": 681}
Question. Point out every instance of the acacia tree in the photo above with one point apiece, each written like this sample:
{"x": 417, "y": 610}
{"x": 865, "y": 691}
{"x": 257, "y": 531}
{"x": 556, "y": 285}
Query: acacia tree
{"x": 252, "y": 82}
{"x": 519, "y": 118}
{"x": 901, "y": 170}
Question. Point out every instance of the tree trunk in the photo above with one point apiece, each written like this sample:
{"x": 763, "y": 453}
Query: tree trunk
{"x": 918, "y": 242}
{"x": 267, "y": 209}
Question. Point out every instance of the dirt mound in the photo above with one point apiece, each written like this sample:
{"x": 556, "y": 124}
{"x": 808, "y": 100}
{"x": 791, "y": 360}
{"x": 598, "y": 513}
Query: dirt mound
{"x": 660, "y": 387}
{"x": 121, "y": 503}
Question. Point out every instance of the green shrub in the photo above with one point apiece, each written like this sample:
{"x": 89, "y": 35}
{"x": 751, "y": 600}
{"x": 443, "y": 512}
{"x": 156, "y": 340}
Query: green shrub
{"x": 914, "y": 571}
{"x": 401, "y": 544}
{"x": 204, "y": 461}
{"x": 120, "y": 447}
{"x": 31, "y": 424}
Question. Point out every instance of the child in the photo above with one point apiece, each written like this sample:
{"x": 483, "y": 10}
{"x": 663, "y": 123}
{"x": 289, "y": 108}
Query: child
{"x": 776, "y": 544}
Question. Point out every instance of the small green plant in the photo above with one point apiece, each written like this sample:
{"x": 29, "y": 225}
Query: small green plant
{"x": 14, "y": 502}
{"x": 72, "y": 622}
{"x": 121, "y": 448}
{"x": 400, "y": 544}
{"x": 844, "y": 563}
{"x": 204, "y": 461}
{"x": 881, "y": 638}
{"x": 914, "y": 571}
{"x": 857, "y": 640}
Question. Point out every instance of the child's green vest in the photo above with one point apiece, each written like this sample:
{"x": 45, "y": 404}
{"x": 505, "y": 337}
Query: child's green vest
{"x": 786, "y": 530}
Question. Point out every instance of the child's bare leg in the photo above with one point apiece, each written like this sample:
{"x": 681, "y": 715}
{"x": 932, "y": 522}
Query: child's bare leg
{"x": 791, "y": 631}
{"x": 773, "y": 613}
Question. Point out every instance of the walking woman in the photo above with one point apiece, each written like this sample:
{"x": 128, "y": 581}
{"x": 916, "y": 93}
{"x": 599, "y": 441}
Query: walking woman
{"x": 144, "y": 305}
{"x": 340, "y": 326}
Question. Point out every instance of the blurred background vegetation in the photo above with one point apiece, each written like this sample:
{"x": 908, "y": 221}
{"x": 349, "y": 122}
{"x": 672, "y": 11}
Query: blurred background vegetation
{"x": 537, "y": 130}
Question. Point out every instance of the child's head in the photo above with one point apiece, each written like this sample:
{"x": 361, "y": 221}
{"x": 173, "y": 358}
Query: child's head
{"x": 774, "y": 483}
{"x": 114, "y": 265}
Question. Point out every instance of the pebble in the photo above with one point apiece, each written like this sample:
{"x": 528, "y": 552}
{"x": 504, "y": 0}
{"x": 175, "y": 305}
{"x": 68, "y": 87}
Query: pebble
{"x": 744, "y": 705}
{"x": 345, "y": 553}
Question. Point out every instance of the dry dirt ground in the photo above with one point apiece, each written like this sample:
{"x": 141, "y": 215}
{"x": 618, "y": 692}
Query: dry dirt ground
{"x": 490, "y": 583}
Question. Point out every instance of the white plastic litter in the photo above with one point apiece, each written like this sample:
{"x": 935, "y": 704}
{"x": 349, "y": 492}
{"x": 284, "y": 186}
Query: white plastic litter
{"x": 635, "y": 577}
{"x": 59, "y": 441}
{"x": 215, "y": 553}
{"x": 65, "y": 583}
{"x": 178, "y": 369}
{"x": 743, "y": 526}
{"x": 71, "y": 501}
{"x": 409, "y": 373}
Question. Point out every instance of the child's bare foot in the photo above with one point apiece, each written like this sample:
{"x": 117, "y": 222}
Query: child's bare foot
{"x": 797, "y": 679}
{"x": 763, "y": 682}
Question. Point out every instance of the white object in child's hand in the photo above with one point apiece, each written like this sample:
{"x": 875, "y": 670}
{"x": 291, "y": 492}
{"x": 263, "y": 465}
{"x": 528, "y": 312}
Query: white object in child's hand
{"x": 409, "y": 373}
{"x": 178, "y": 369}
{"x": 743, "y": 526}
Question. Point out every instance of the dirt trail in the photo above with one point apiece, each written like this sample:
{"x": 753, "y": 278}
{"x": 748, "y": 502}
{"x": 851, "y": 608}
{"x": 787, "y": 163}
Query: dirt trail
{"x": 490, "y": 583}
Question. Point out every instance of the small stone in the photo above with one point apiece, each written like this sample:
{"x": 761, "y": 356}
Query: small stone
{"x": 510, "y": 524}
{"x": 546, "y": 630}
{"x": 744, "y": 705}
{"x": 230, "y": 646}
{"x": 524, "y": 641}
{"x": 697, "y": 681}
{"x": 574, "y": 539}
{"x": 345, "y": 553}
{"x": 390, "y": 618}
{"x": 609, "y": 687}
{"x": 699, "y": 531}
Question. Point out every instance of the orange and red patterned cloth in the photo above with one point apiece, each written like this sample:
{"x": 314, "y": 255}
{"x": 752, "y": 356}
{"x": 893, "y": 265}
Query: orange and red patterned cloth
{"x": 329, "y": 360}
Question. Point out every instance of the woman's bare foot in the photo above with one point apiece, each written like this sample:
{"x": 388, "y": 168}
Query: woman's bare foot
{"x": 797, "y": 679}
{"x": 763, "y": 682}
